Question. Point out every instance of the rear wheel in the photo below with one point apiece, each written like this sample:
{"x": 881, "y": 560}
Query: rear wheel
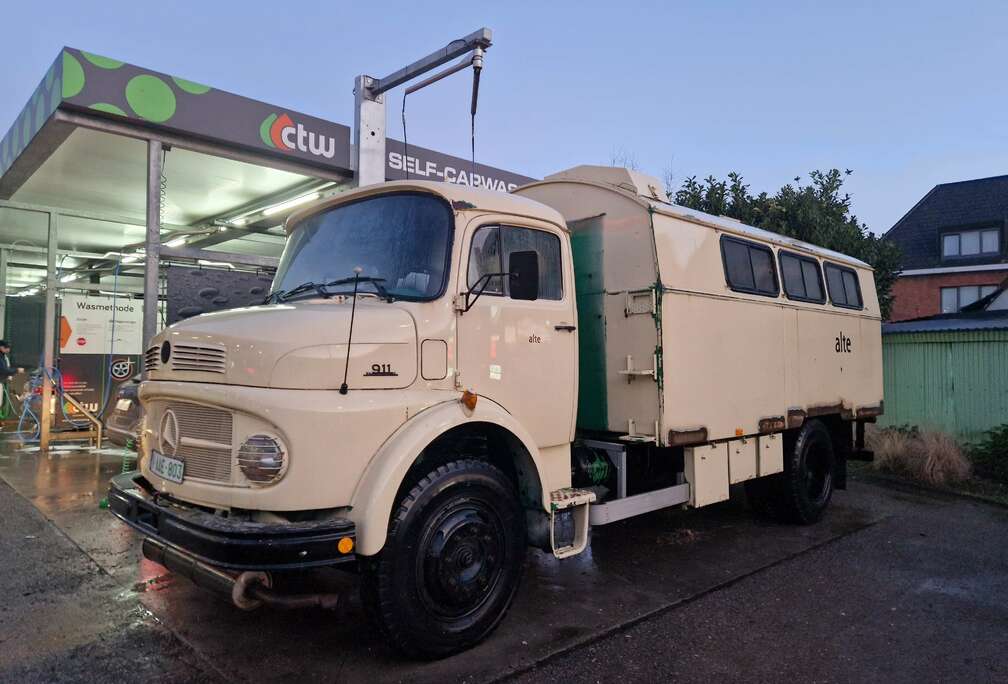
{"x": 451, "y": 563}
{"x": 802, "y": 492}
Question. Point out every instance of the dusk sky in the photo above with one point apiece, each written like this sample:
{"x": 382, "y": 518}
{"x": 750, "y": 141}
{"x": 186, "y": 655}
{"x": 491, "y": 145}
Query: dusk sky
{"x": 906, "y": 94}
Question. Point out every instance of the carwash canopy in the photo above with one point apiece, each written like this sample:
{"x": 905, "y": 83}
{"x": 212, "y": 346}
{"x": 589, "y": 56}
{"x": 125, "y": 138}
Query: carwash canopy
{"x": 111, "y": 169}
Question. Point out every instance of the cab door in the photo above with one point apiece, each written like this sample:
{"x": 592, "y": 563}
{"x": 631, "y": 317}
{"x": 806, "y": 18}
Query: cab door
{"x": 520, "y": 353}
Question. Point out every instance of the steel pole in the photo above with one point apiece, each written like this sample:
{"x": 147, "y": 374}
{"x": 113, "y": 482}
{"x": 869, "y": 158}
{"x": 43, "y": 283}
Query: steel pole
{"x": 3, "y": 291}
{"x": 152, "y": 242}
{"x": 369, "y": 134}
{"x": 49, "y": 337}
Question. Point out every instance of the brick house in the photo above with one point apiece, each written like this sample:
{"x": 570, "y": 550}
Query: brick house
{"x": 953, "y": 244}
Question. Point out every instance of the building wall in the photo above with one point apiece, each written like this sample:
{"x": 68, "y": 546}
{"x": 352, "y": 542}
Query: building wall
{"x": 954, "y": 381}
{"x": 920, "y": 295}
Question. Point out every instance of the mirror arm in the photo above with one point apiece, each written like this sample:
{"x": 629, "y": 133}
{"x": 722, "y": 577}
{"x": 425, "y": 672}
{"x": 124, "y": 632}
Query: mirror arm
{"x": 485, "y": 280}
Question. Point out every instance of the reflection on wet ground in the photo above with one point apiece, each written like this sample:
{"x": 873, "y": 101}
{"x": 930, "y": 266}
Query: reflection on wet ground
{"x": 633, "y": 568}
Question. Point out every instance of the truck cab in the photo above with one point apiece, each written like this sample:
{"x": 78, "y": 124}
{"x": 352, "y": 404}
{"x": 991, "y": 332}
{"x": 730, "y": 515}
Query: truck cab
{"x": 420, "y": 339}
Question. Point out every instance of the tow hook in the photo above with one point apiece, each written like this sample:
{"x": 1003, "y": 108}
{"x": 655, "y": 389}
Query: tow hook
{"x": 248, "y": 590}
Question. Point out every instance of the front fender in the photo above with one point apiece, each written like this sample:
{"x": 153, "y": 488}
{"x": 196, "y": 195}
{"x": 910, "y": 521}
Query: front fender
{"x": 371, "y": 505}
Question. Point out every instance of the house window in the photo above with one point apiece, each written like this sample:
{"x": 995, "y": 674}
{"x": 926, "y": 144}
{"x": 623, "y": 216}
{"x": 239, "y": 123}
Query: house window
{"x": 970, "y": 243}
{"x": 749, "y": 267}
{"x": 953, "y": 299}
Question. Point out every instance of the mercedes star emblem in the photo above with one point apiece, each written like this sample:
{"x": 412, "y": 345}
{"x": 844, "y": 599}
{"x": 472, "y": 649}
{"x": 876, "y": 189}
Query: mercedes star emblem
{"x": 169, "y": 433}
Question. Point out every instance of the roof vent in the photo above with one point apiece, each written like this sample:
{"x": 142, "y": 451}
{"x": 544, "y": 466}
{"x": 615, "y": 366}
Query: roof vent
{"x": 625, "y": 179}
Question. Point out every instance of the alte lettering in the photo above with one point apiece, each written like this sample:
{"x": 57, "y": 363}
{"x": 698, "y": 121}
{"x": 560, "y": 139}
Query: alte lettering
{"x": 843, "y": 344}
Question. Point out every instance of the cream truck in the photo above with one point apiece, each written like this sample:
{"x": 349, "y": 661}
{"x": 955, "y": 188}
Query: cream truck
{"x": 443, "y": 376}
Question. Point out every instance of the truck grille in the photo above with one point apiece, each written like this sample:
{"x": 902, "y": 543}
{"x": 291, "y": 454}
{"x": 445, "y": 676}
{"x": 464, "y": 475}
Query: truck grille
{"x": 192, "y": 357}
{"x": 209, "y": 458}
{"x": 152, "y": 358}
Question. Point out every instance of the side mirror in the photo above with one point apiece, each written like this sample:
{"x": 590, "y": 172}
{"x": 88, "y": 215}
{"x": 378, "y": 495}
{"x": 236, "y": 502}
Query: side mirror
{"x": 523, "y": 272}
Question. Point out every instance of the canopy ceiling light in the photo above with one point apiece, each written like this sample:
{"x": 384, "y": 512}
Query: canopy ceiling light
{"x": 290, "y": 204}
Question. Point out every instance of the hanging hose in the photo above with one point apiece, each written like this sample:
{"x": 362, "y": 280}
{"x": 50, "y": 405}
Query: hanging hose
{"x": 6, "y": 405}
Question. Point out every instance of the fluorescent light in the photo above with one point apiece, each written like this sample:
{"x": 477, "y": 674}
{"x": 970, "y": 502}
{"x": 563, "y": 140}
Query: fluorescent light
{"x": 177, "y": 242}
{"x": 69, "y": 278}
{"x": 129, "y": 259}
{"x": 283, "y": 206}
{"x": 207, "y": 262}
{"x": 241, "y": 221}
{"x": 32, "y": 291}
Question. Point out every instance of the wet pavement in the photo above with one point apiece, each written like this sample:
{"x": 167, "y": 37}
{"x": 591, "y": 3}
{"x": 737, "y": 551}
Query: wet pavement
{"x": 637, "y": 574}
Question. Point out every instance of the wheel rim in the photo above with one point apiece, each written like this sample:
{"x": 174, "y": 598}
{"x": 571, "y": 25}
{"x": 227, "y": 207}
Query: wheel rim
{"x": 461, "y": 564}
{"x": 818, "y": 473}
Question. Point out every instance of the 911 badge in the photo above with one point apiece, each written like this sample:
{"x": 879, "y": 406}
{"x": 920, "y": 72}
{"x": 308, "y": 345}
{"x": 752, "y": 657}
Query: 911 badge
{"x": 381, "y": 370}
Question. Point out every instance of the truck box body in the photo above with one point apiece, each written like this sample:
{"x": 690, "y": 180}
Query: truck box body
{"x": 671, "y": 353}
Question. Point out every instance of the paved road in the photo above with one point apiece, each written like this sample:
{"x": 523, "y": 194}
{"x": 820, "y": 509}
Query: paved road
{"x": 901, "y": 585}
{"x": 921, "y": 596}
{"x": 64, "y": 619}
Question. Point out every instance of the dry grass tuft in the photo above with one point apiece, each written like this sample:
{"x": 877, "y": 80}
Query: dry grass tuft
{"x": 928, "y": 456}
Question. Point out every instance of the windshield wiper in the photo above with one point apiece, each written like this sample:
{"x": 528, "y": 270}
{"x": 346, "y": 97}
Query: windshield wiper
{"x": 322, "y": 289}
{"x": 377, "y": 282}
{"x": 304, "y": 287}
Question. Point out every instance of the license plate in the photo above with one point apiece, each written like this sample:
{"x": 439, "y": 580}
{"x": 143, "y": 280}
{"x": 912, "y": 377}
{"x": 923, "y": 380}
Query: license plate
{"x": 124, "y": 404}
{"x": 167, "y": 467}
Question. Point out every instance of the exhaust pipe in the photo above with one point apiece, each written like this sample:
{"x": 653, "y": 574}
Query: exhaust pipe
{"x": 248, "y": 590}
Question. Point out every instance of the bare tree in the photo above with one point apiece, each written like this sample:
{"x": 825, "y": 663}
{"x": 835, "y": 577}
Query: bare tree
{"x": 621, "y": 158}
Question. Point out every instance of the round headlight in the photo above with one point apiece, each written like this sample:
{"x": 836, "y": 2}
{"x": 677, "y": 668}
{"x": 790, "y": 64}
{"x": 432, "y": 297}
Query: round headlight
{"x": 261, "y": 458}
{"x": 165, "y": 351}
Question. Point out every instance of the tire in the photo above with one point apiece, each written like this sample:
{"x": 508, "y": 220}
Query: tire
{"x": 452, "y": 561}
{"x": 802, "y": 492}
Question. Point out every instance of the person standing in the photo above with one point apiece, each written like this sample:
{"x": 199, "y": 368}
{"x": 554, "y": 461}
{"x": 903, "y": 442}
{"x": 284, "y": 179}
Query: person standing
{"x": 6, "y": 373}
{"x": 6, "y": 370}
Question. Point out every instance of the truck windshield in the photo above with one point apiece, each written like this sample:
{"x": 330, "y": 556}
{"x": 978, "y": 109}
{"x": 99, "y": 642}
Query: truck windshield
{"x": 403, "y": 239}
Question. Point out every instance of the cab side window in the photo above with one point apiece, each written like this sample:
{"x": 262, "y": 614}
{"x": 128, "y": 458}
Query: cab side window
{"x": 484, "y": 258}
{"x": 492, "y": 247}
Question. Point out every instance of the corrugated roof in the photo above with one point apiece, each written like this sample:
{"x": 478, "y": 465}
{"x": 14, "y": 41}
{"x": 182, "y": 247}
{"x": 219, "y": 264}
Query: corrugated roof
{"x": 981, "y": 320}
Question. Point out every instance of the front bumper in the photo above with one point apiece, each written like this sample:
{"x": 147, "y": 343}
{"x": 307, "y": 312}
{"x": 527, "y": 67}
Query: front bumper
{"x": 224, "y": 542}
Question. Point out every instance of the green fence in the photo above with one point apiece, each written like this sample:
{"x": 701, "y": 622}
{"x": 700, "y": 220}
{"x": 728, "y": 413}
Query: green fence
{"x": 955, "y": 381}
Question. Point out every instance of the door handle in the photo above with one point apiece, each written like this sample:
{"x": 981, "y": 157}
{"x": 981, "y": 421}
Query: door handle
{"x": 567, "y": 327}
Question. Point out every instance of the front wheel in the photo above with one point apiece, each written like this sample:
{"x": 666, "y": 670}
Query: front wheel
{"x": 451, "y": 563}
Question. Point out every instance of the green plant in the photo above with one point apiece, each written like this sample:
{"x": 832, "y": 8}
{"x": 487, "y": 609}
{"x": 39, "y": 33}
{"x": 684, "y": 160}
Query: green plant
{"x": 990, "y": 454}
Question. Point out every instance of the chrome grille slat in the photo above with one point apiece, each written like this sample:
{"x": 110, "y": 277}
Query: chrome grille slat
{"x": 152, "y": 358}
{"x": 208, "y": 424}
{"x": 198, "y": 358}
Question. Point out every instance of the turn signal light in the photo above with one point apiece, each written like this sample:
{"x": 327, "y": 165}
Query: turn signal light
{"x": 469, "y": 400}
{"x": 345, "y": 545}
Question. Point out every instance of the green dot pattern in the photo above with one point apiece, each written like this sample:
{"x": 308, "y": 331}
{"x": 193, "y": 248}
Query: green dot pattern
{"x": 73, "y": 76}
{"x": 150, "y": 98}
{"x": 108, "y": 108}
{"x": 102, "y": 62}
{"x": 191, "y": 86}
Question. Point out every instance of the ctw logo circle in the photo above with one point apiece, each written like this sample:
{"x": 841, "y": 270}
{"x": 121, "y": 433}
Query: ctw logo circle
{"x": 282, "y": 133}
